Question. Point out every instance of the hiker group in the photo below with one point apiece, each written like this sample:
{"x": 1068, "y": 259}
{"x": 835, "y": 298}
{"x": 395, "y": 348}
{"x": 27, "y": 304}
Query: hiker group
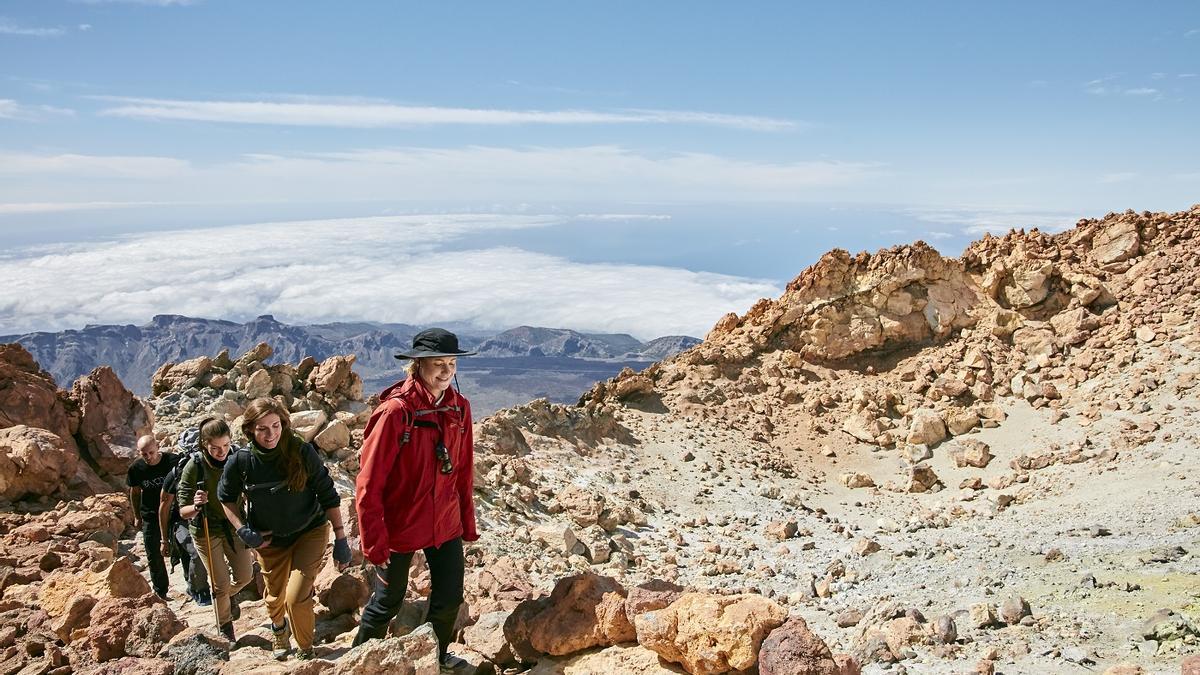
{"x": 219, "y": 510}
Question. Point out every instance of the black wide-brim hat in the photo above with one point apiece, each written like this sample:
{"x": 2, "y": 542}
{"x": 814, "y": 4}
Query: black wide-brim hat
{"x": 432, "y": 343}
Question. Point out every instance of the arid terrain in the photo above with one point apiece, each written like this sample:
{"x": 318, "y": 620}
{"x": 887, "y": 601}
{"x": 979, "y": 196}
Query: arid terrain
{"x": 906, "y": 463}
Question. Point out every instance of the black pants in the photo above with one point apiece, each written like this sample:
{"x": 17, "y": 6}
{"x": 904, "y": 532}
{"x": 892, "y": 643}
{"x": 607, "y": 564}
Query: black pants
{"x": 193, "y": 570}
{"x": 445, "y": 597}
{"x": 152, "y": 538}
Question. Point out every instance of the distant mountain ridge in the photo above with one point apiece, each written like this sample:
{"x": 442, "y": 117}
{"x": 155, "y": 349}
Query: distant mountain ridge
{"x": 135, "y": 352}
{"x": 534, "y": 341}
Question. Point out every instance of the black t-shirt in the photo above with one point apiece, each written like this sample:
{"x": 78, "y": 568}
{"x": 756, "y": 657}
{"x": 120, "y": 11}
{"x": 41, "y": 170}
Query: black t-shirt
{"x": 150, "y": 480}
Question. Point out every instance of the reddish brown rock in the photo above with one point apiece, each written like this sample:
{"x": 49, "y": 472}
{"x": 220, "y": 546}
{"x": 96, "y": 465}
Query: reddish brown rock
{"x": 584, "y": 610}
{"x": 113, "y": 622}
{"x": 152, "y": 628}
{"x": 793, "y": 649}
{"x": 29, "y": 396}
{"x": 111, "y": 419}
{"x": 649, "y": 596}
{"x": 34, "y": 462}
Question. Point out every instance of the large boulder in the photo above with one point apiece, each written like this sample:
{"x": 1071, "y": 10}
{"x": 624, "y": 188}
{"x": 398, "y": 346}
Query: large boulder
{"x": 926, "y": 428}
{"x": 412, "y": 654}
{"x": 113, "y": 624}
{"x": 710, "y": 634}
{"x": 335, "y": 436}
{"x": 118, "y": 580}
{"x": 336, "y": 375}
{"x": 29, "y": 396}
{"x": 170, "y": 376}
{"x": 309, "y": 423}
{"x": 1117, "y": 242}
{"x": 584, "y": 506}
{"x": 33, "y": 462}
{"x": 793, "y": 649}
{"x": 486, "y": 636}
{"x": 584, "y": 610}
{"x": 152, "y": 629}
{"x": 111, "y": 419}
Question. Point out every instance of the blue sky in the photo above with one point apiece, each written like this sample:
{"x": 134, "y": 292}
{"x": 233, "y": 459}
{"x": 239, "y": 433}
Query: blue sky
{"x": 732, "y": 141}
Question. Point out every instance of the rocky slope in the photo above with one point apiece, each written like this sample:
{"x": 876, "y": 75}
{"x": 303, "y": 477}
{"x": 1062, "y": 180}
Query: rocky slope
{"x": 934, "y": 465}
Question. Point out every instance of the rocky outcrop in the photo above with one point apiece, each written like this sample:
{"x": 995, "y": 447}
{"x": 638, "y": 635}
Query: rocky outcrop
{"x": 325, "y": 398}
{"x": 413, "y": 654}
{"x": 33, "y": 462}
{"x": 710, "y": 634}
{"x": 111, "y": 419}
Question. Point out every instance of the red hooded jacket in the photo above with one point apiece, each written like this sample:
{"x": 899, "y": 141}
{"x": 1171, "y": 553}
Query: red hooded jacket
{"x": 404, "y": 501}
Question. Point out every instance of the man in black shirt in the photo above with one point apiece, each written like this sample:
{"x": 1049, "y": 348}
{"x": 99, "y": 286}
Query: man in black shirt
{"x": 145, "y": 479}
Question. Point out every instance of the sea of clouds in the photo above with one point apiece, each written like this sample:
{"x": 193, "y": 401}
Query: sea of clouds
{"x": 417, "y": 269}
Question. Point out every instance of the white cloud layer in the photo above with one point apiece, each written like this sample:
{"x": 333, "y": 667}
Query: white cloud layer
{"x": 391, "y": 269}
{"x": 362, "y": 114}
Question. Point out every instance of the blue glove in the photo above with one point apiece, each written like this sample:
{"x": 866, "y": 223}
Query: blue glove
{"x": 252, "y": 538}
{"x": 341, "y": 551}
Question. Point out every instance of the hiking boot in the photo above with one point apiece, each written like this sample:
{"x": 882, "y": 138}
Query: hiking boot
{"x": 227, "y": 631}
{"x": 453, "y": 664}
{"x": 305, "y": 654}
{"x": 204, "y": 599}
{"x": 281, "y": 640}
{"x": 235, "y": 610}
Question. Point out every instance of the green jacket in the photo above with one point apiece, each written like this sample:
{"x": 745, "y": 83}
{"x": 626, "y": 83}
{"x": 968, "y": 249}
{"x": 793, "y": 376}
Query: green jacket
{"x": 190, "y": 481}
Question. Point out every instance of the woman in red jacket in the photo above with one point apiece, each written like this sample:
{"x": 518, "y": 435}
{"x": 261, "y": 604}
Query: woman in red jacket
{"x": 414, "y": 488}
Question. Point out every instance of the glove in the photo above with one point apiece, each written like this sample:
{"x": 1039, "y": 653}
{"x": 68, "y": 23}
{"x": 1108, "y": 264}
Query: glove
{"x": 341, "y": 551}
{"x": 252, "y": 538}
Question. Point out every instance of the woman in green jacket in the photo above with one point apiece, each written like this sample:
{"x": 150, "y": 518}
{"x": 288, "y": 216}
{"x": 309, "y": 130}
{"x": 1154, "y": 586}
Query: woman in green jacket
{"x": 197, "y": 497}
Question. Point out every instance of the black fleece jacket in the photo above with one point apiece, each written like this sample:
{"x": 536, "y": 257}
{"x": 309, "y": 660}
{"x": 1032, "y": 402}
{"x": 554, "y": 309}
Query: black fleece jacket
{"x": 270, "y": 505}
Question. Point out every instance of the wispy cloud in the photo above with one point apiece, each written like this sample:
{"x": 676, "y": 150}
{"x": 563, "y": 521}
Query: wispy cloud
{"x": 377, "y": 114}
{"x": 8, "y": 27}
{"x": 114, "y": 166}
{"x": 1192, "y": 33}
{"x": 456, "y": 175}
{"x": 10, "y": 109}
{"x": 354, "y": 269}
{"x": 56, "y": 207}
{"x": 1111, "y": 86}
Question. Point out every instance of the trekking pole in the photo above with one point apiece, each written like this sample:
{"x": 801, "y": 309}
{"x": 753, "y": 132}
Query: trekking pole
{"x": 211, "y": 570}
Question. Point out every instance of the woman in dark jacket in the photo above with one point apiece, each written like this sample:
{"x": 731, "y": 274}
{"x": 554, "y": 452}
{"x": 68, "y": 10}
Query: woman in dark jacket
{"x": 290, "y": 504}
{"x": 414, "y": 488}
